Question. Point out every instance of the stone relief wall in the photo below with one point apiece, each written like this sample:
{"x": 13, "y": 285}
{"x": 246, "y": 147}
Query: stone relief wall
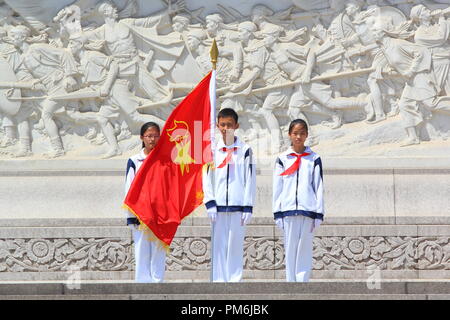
{"x": 78, "y": 78}
{"x": 385, "y": 253}
{"x": 193, "y": 254}
{"x": 25, "y": 255}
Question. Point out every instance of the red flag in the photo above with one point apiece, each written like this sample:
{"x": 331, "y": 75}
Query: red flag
{"x": 168, "y": 186}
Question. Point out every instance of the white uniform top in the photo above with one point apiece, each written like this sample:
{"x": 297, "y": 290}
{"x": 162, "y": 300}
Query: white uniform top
{"x": 300, "y": 193}
{"x": 133, "y": 165}
{"x": 231, "y": 188}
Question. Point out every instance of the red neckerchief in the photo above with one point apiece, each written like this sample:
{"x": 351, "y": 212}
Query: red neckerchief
{"x": 228, "y": 157}
{"x": 296, "y": 164}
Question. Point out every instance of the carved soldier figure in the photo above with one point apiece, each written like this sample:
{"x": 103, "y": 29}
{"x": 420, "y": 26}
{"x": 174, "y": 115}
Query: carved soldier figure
{"x": 56, "y": 69}
{"x": 247, "y": 66}
{"x": 319, "y": 93}
{"x": 69, "y": 19}
{"x": 343, "y": 35}
{"x": 201, "y": 53}
{"x": 227, "y": 66}
{"x": 272, "y": 74}
{"x": 13, "y": 54}
{"x": 382, "y": 82}
{"x": 10, "y": 60}
{"x": 262, "y": 15}
{"x": 101, "y": 72}
{"x": 180, "y": 23}
{"x": 341, "y": 28}
{"x": 222, "y": 33}
{"x": 291, "y": 57}
{"x": 187, "y": 68}
{"x": 414, "y": 63}
{"x": 98, "y": 72}
{"x": 120, "y": 44}
{"x": 214, "y": 29}
{"x": 435, "y": 37}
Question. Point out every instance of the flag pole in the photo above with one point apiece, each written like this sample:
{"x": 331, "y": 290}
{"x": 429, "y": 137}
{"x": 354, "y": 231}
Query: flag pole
{"x": 214, "y": 54}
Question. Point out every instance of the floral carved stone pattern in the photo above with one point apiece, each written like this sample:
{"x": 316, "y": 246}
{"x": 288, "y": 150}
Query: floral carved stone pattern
{"x": 189, "y": 254}
{"x": 193, "y": 254}
{"x": 386, "y": 253}
{"x": 28, "y": 255}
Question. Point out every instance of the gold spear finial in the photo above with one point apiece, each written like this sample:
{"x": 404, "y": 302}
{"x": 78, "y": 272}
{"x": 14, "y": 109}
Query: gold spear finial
{"x": 214, "y": 53}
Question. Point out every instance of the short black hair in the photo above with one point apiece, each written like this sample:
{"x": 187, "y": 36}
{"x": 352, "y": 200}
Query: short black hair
{"x": 228, "y": 112}
{"x": 146, "y": 126}
{"x": 296, "y": 122}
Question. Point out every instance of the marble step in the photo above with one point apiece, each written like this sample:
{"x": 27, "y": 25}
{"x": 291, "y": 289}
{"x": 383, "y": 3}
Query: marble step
{"x": 319, "y": 289}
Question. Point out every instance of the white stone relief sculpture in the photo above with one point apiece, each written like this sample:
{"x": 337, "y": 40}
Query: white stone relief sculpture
{"x": 414, "y": 62}
{"x": 78, "y": 78}
{"x": 192, "y": 253}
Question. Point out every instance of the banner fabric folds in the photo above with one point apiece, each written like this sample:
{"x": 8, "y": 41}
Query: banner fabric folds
{"x": 168, "y": 186}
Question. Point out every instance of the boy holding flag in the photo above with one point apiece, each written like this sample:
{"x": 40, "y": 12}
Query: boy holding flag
{"x": 229, "y": 193}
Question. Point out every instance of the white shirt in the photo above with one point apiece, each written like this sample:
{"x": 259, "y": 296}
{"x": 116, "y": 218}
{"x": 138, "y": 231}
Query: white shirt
{"x": 231, "y": 188}
{"x": 133, "y": 165}
{"x": 300, "y": 193}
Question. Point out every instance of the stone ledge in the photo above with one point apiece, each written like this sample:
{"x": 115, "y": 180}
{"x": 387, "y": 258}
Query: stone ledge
{"x": 201, "y": 230}
{"x": 65, "y": 173}
{"x": 262, "y": 173}
{"x": 248, "y": 276}
{"x": 65, "y": 232}
{"x": 12, "y": 277}
{"x": 119, "y": 164}
{"x": 425, "y": 221}
{"x": 260, "y": 290}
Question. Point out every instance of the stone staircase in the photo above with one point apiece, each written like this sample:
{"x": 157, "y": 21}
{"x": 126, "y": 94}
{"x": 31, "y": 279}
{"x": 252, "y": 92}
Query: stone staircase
{"x": 314, "y": 290}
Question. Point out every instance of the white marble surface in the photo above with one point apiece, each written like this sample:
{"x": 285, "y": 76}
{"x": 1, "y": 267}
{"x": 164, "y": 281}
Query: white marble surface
{"x": 358, "y": 189}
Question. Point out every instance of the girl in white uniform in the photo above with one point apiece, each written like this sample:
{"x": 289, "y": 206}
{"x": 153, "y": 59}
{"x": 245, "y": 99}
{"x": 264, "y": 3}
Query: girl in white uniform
{"x": 298, "y": 201}
{"x": 150, "y": 258}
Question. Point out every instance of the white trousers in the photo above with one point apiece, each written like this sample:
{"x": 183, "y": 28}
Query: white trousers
{"x": 298, "y": 247}
{"x": 150, "y": 259}
{"x": 228, "y": 247}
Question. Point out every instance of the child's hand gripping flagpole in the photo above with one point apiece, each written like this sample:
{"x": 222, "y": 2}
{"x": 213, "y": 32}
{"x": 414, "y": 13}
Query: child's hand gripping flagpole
{"x": 214, "y": 53}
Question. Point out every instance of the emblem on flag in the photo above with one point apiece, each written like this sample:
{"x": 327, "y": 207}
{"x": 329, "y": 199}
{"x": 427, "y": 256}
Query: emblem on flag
{"x": 180, "y": 135}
